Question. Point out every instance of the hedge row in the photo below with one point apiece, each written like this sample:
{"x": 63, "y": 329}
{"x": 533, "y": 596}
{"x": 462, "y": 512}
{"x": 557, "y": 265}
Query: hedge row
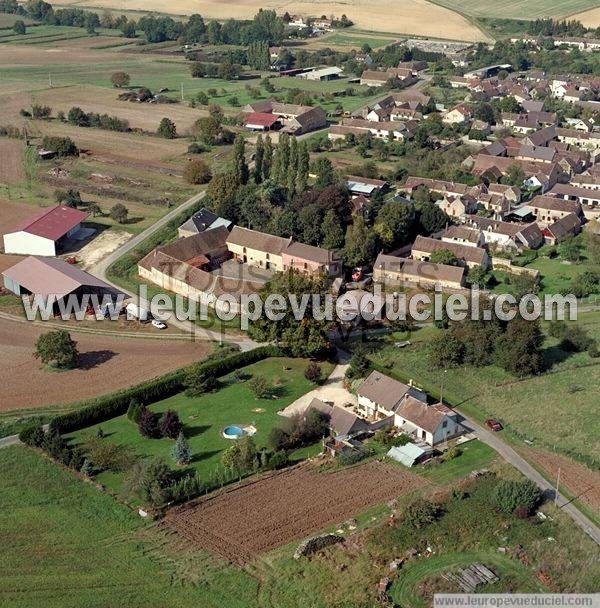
{"x": 116, "y": 404}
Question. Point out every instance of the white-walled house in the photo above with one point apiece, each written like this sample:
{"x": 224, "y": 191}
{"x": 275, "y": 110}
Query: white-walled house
{"x": 433, "y": 424}
{"x": 43, "y": 233}
{"x": 379, "y": 395}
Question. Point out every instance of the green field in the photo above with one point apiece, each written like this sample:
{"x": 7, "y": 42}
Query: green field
{"x": 557, "y": 409}
{"x": 205, "y": 417}
{"x": 518, "y": 10}
{"x": 68, "y": 545}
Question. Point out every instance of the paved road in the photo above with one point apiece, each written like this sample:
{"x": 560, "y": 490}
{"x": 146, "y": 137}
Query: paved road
{"x": 517, "y": 461}
{"x": 101, "y": 267}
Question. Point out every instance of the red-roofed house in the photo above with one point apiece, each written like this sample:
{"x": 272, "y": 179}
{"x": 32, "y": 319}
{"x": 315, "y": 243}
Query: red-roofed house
{"x": 43, "y": 233}
{"x": 261, "y": 121}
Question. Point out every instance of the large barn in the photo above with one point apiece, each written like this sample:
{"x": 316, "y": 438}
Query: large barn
{"x": 53, "y": 277}
{"x": 46, "y": 232}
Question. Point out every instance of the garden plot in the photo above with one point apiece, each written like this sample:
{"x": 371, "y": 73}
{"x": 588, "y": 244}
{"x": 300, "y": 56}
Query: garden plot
{"x": 243, "y": 522}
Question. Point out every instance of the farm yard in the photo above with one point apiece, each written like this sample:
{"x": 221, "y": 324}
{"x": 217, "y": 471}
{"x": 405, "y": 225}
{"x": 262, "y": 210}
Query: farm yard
{"x": 205, "y": 417}
{"x": 106, "y": 363}
{"x": 253, "y": 518}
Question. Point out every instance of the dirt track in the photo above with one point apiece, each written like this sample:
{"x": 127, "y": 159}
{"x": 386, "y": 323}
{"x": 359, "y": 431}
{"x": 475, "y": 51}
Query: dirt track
{"x": 106, "y": 364}
{"x": 256, "y": 517}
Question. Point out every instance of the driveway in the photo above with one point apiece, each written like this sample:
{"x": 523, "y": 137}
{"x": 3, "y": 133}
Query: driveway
{"x": 331, "y": 390}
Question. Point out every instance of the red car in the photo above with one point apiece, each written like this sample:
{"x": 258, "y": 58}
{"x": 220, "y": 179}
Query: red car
{"x": 494, "y": 425}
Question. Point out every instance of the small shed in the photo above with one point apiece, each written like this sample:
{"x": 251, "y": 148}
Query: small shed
{"x": 408, "y": 455}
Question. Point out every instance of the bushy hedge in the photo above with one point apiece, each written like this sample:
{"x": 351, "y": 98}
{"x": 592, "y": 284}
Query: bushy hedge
{"x": 109, "y": 406}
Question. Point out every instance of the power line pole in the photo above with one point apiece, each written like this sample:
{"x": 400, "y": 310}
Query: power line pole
{"x": 556, "y": 492}
{"x": 182, "y": 91}
{"x": 50, "y": 79}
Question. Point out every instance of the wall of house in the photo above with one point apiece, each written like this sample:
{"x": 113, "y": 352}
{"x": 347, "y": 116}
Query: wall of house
{"x": 24, "y": 243}
{"x": 393, "y": 278}
{"x": 253, "y": 257}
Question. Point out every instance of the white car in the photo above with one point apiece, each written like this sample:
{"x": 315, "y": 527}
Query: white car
{"x": 158, "y": 324}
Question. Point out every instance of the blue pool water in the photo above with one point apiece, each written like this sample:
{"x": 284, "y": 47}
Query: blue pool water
{"x": 233, "y": 432}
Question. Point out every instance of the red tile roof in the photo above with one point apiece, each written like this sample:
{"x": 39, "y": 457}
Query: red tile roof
{"x": 52, "y": 223}
{"x": 262, "y": 119}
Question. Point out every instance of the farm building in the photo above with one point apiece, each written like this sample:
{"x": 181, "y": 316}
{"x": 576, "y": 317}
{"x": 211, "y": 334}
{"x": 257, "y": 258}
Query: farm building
{"x": 379, "y": 396}
{"x": 365, "y": 186}
{"x": 322, "y": 74}
{"x": 46, "y": 232}
{"x": 53, "y": 277}
{"x": 260, "y": 121}
{"x": 202, "y": 221}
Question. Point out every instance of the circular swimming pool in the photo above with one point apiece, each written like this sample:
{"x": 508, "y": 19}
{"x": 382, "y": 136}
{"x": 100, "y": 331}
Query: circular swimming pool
{"x": 233, "y": 432}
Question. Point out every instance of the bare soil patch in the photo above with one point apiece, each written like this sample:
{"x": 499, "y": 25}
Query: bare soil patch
{"x": 100, "y": 246}
{"x": 11, "y": 161}
{"x": 407, "y": 17}
{"x": 12, "y": 212}
{"x": 258, "y": 516}
{"x": 581, "y": 482}
{"x": 108, "y": 363}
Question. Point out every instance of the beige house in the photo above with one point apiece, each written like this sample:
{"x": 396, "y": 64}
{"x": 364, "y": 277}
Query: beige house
{"x": 257, "y": 248}
{"x": 472, "y": 257}
{"x": 379, "y": 396}
{"x": 549, "y": 209}
{"x": 311, "y": 260}
{"x": 393, "y": 271}
{"x": 457, "y": 206}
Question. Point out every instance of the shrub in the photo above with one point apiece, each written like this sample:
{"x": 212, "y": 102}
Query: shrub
{"x": 420, "y": 513}
{"x": 56, "y": 348}
{"x": 119, "y": 213}
{"x": 197, "y": 148}
{"x": 241, "y": 457}
{"x": 278, "y": 460}
{"x": 359, "y": 365}
{"x": 86, "y": 468}
{"x": 61, "y": 146}
{"x": 313, "y": 372}
{"x": 120, "y": 79}
{"x": 169, "y": 425}
{"x": 33, "y": 434}
{"x": 260, "y": 387}
{"x": 134, "y": 411}
{"x": 41, "y": 112}
{"x": 510, "y": 495}
{"x": 167, "y": 129}
{"x": 197, "y": 171}
{"x": 107, "y": 456}
{"x": 451, "y": 454}
{"x": 149, "y": 480}
{"x": 148, "y": 424}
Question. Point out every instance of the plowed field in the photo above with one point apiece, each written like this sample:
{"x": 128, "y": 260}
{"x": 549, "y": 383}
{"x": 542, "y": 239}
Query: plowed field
{"x": 258, "y": 516}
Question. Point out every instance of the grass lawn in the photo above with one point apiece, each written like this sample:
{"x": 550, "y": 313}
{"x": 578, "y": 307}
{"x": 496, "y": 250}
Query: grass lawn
{"x": 205, "y": 417}
{"x": 474, "y": 455}
{"x": 66, "y": 544}
{"x": 557, "y": 409}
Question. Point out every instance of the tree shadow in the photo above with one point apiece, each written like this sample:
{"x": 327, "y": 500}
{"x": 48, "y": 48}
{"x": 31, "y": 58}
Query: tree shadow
{"x": 554, "y": 355}
{"x": 204, "y": 455}
{"x": 133, "y": 220}
{"x": 94, "y": 358}
{"x": 194, "y": 431}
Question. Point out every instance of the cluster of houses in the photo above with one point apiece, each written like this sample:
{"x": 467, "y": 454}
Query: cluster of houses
{"x": 383, "y": 402}
{"x": 212, "y": 258}
{"x": 270, "y": 115}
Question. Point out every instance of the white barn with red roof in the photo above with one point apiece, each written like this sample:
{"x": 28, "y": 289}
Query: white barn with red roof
{"x": 43, "y": 233}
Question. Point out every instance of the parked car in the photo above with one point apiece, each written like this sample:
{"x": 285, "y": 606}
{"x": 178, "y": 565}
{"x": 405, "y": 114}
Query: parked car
{"x": 158, "y": 324}
{"x": 494, "y": 425}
